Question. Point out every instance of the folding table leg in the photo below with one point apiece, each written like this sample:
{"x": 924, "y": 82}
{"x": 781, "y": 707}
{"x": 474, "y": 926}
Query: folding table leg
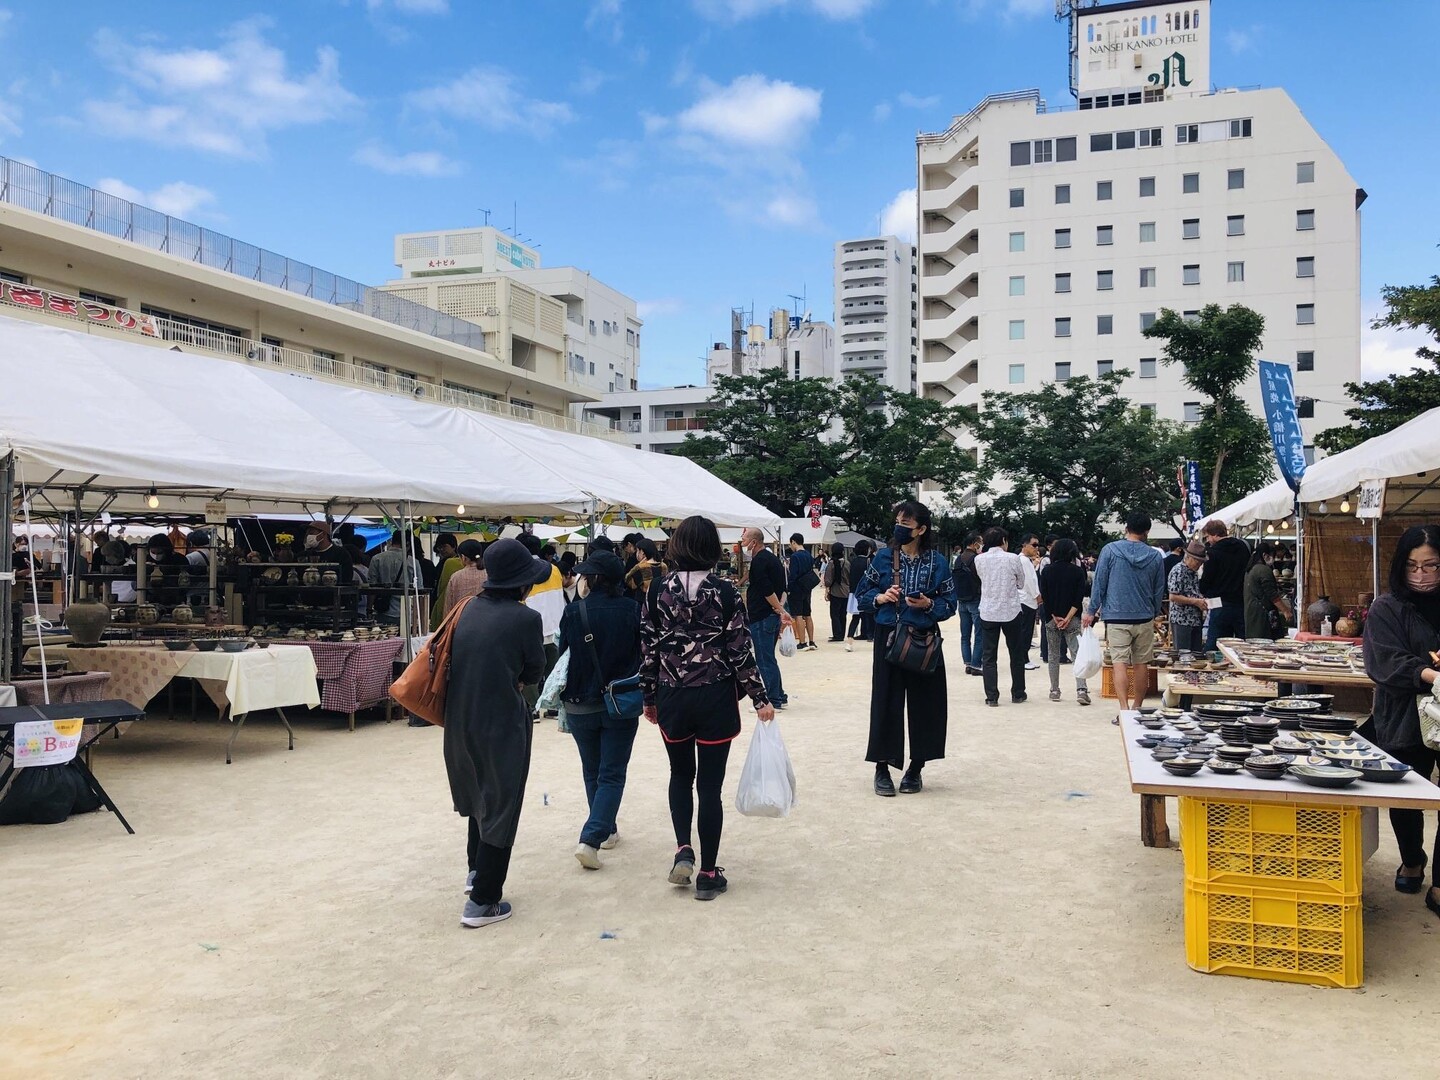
{"x": 289, "y": 730}
{"x": 1154, "y": 830}
{"x": 104, "y": 795}
{"x": 352, "y": 719}
{"x": 237, "y": 722}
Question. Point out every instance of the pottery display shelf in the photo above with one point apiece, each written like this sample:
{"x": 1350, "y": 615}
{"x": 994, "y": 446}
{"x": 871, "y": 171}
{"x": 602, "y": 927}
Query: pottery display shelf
{"x": 1309, "y": 676}
{"x": 1178, "y": 684}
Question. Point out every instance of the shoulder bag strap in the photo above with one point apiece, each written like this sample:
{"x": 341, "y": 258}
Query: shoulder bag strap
{"x": 440, "y": 641}
{"x": 589, "y": 639}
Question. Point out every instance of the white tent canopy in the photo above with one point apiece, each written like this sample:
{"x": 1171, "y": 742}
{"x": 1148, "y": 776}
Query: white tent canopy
{"x": 1402, "y": 454}
{"x": 1271, "y": 503}
{"x": 108, "y": 416}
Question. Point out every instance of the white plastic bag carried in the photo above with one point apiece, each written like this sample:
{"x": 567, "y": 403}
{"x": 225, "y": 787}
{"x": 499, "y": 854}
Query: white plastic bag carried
{"x": 1088, "y": 658}
{"x": 787, "y": 642}
{"x": 554, "y": 687}
{"x": 767, "y": 781}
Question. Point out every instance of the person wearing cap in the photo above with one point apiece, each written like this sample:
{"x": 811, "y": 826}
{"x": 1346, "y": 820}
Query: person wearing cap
{"x": 548, "y": 598}
{"x": 319, "y": 548}
{"x": 469, "y": 580}
{"x": 495, "y": 655}
{"x": 601, "y": 632}
{"x": 1187, "y": 604}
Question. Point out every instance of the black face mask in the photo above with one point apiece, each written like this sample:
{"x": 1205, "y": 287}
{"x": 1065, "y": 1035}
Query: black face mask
{"x": 903, "y": 534}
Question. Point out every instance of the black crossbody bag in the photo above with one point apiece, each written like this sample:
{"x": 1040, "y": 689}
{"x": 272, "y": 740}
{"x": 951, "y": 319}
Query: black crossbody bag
{"x": 910, "y": 647}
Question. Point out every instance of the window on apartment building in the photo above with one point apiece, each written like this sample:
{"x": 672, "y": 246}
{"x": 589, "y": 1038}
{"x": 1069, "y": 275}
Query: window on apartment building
{"x": 1017, "y": 197}
{"x": 629, "y": 336}
{"x": 1305, "y": 408}
{"x": 1305, "y": 360}
{"x": 1017, "y": 285}
{"x": 1147, "y": 186}
{"x": 1190, "y": 229}
{"x": 1062, "y": 194}
{"x": 1147, "y": 320}
{"x": 1147, "y": 367}
{"x": 1104, "y": 235}
{"x": 1020, "y": 153}
{"x": 1065, "y": 149}
{"x": 1187, "y": 133}
{"x": 1190, "y": 274}
{"x": 406, "y": 381}
{"x": 1104, "y": 279}
{"x": 1240, "y": 129}
{"x": 1062, "y": 238}
{"x": 1104, "y": 367}
{"x": 1148, "y": 408}
{"x": 323, "y": 361}
{"x": 1017, "y": 329}
{"x": 1192, "y": 316}
{"x": 1235, "y": 225}
{"x": 1147, "y": 232}
{"x": 1192, "y": 412}
{"x": 1190, "y": 183}
{"x": 1309, "y": 455}
{"x": 1304, "y": 172}
{"x": 1304, "y": 314}
{"x": 1062, "y": 327}
{"x": 1062, "y": 283}
{"x": 1017, "y": 241}
{"x": 1147, "y": 277}
{"x": 1017, "y": 374}
{"x": 1305, "y": 266}
{"x": 1104, "y": 324}
{"x": 98, "y": 298}
{"x": 1304, "y": 220}
{"x": 1104, "y": 190}
{"x": 1235, "y": 180}
{"x": 1124, "y": 140}
{"x": 1235, "y": 271}
{"x": 592, "y": 326}
{"x": 1102, "y": 141}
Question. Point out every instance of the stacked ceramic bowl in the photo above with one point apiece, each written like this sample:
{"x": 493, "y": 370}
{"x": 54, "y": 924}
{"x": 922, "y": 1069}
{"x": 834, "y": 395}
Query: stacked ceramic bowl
{"x": 1292, "y": 713}
{"x": 1181, "y": 766}
{"x": 1329, "y": 723}
{"x": 1261, "y": 729}
{"x": 1232, "y": 752}
{"x": 1267, "y": 766}
{"x": 1235, "y": 732}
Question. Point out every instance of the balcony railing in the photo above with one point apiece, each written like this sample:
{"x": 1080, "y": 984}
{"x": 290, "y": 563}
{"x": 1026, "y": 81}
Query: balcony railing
{"x": 678, "y": 423}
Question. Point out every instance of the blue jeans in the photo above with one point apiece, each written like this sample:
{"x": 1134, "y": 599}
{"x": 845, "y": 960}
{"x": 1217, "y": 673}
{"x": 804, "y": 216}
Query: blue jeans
{"x": 604, "y": 746}
{"x": 1225, "y": 621}
{"x": 764, "y": 634}
{"x": 972, "y": 641}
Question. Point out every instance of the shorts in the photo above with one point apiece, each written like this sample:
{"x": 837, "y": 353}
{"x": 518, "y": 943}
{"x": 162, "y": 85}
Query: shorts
{"x": 709, "y": 714}
{"x": 798, "y": 602}
{"x": 1131, "y": 643}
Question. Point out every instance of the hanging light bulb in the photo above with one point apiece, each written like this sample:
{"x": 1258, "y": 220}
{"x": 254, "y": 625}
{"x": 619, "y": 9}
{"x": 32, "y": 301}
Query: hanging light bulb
{"x": 1285, "y": 524}
{"x": 1270, "y": 528}
{"x": 152, "y": 500}
{"x": 1322, "y": 509}
{"x": 1345, "y": 505}
{"x": 460, "y": 509}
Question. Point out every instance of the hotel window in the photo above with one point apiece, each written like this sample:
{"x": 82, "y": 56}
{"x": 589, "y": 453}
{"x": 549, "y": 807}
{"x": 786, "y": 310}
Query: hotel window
{"x": 1305, "y": 266}
{"x": 1235, "y": 180}
{"x": 1147, "y": 186}
{"x": 1104, "y": 279}
{"x": 1062, "y": 194}
{"x": 1304, "y": 314}
{"x": 1235, "y": 271}
{"x": 1017, "y": 329}
{"x": 1148, "y": 408}
{"x": 1190, "y": 228}
{"x": 1104, "y": 324}
{"x": 1147, "y": 320}
{"x": 1190, "y": 316}
{"x": 1102, "y": 142}
{"x": 1149, "y": 136}
{"x": 1147, "y": 232}
{"x": 1304, "y": 172}
{"x": 1190, "y": 183}
{"x": 1187, "y": 133}
{"x": 1062, "y": 327}
{"x": 1305, "y": 360}
{"x": 1062, "y": 238}
{"x": 1065, "y": 149}
{"x": 1017, "y": 241}
{"x": 1062, "y": 283}
{"x": 1104, "y": 367}
{"x": 1235, "y": 225}
{"x": 1304, "y": 220}
{"x": 1017, "y": 374}
{"x": 1240, "y": 129}
{"x": 1305, "y": 408}
{"x": 1192, "y": 412}
{"x": 1190, "y": 274}
{"x": 1104, "y": 235}
{"x": 1017, "y": 197}
{"x": 1017, "y": 285}
{"x": 1104, "y": 190}
{"x": 1062, "y": 371}
{"x": 1147, "y": 277}
{"x": 1147, "y": 367}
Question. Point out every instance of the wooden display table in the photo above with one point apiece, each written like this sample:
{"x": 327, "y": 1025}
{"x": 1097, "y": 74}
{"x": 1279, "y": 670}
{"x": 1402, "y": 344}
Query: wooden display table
{"x": 1177, "y": 687}
{"x": 1308, "y": 676}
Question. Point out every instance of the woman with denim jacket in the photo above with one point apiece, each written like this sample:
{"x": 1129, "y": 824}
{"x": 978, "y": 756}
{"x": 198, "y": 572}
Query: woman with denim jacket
{"x": 923, "y": 596}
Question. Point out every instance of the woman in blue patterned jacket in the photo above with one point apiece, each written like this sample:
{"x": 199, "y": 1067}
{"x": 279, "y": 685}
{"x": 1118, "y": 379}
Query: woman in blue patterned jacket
{"x": 908, "y": 583}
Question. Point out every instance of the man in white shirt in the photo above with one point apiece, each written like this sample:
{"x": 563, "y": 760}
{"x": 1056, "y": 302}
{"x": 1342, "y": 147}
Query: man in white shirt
{"x": 1030, "y": 592}
{"x": 1002, "y": 582}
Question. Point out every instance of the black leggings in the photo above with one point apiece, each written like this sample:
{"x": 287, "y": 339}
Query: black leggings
{"x": 1409, "y": 825}
{"x": 491, "y": 865}
{"x": 685, "y": 779}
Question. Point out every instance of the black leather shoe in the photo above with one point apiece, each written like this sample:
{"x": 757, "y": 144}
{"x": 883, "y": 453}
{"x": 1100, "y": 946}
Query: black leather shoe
{"x": 1018, "y": 698}
{"x": 972, "y": 670}
{"x": 883, "y": 784}
{"x": 994, "y": 703}
{"x": 1406, "y": 884}
{"x": 910, "y": 783}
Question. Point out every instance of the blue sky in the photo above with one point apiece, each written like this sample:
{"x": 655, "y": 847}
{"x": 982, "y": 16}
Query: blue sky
{"x": 696, "y": 154}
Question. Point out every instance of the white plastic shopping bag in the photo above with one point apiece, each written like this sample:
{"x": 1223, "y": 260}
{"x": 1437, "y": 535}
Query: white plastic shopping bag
{"x": 787, "y": 642}
{"x": 1088, "y": 658}
{"x": 767, "y": 781}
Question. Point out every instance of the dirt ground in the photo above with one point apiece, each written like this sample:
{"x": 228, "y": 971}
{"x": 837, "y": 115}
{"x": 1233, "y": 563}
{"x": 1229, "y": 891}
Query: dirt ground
{"x": 297, "y": 915}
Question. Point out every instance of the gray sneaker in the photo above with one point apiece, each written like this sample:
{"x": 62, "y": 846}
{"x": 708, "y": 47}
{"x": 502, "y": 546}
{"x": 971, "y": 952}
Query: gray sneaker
{"x": 476, "y": 915}
{"x": 614, "y": 841}
{"x": 1083, "y": 697}
{"x": 1054, "y": 695}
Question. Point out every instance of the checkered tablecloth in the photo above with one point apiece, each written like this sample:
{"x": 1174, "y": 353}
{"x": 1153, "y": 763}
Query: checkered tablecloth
{"x": 353, "y": 674}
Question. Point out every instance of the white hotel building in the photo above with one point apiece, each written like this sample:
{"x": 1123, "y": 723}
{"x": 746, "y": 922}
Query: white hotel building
{"x": 1048, "y": 239}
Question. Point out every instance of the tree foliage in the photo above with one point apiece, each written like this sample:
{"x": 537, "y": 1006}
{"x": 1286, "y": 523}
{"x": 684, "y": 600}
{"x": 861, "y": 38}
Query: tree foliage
{"x": 1217, "y": 352}
{"x": 858, "y": 444}
{"x": 1076, "y": 452}
{"x": 1382, "y": 405}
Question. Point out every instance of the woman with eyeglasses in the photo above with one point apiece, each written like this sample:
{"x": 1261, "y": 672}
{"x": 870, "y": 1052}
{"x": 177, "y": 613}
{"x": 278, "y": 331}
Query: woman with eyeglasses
{"x": 1402, "y": 633}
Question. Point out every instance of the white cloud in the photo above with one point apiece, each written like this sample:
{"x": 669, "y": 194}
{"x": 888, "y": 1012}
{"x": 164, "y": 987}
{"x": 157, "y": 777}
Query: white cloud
{"x": 793, "y": 211}
{"x": 223, "y": 100}
{"x": 610, "y": 166}
{"x": 1390, "y": 352}
{"x": 898, "y": 217}
{"x": 734, "y": 11}
{"x": 491, "y": 98}
{"x": 412, "y": 7}
{"x": 1243, "y": 38}
{"x": 588, "y": 81}
{"x": 650, "y": 309}
{"x": 914, "y": 101}
{"x": 178, "y": 199}
{"x": 753, "y": 112}
{"x": 605, "y": 16}
{"x": 426, "y": 163}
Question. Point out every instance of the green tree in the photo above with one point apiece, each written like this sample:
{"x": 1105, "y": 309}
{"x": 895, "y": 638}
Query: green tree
{"x": 858, "y": 444}
{"x": 1076, "y": 452}
{"x": 1382, "y": 405}
{"x": 1217, "y": 351}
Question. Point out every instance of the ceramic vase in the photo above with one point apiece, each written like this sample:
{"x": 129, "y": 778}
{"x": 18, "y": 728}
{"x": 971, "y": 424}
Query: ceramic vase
{"x": 312, "y": 575}
{"x": 1315, "y": 614}
{"x": 86, "y": 619}
{"x": 147, "y": 614}
{"x": 182, "y": 615}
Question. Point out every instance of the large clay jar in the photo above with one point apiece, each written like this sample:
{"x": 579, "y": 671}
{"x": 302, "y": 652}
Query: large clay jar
{"x": 1315, "y": 614}
{"x": 147, "y": 614}
{"x": 86, "y": 620}
{"x": 1348, "y": 628}
{"x": 312, "y": 575}
{"x": 292, "y": 578}
{"x": 329, "y": 577}
{"x": 182, "y": 615}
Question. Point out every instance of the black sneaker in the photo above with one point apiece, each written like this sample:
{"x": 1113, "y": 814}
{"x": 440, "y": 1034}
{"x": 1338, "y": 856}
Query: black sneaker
{"x": 684, "y": 868}
{"x": 883, "y": 784}
{"x": 1018, "y": 698}
{"x": 910, "y": 783}
{"x": 708, "y": 886}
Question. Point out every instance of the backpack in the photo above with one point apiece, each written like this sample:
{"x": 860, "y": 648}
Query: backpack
{"x": 967, "y": 578}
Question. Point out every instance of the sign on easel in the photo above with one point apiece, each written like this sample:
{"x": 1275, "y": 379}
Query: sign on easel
{"x": 1370, "y": 503}
{"x": 46, "y": 742}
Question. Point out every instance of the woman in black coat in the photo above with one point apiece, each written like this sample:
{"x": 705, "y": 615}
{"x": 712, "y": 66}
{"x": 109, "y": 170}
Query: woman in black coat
{"x": 1401, "y": 634}
{"x": 495, "y": 652}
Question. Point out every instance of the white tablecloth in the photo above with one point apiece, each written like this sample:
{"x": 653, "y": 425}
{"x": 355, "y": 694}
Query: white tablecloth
{"x": 257, "y": 678}
{"x": 7, "y": 696}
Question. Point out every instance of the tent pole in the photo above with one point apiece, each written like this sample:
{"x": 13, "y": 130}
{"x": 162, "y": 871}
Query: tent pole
{"x": 1299, "y": 563}
{"x": 7, "y": 625}
{"x": 1374, "y": 557}
{"x": 407, "y": 530}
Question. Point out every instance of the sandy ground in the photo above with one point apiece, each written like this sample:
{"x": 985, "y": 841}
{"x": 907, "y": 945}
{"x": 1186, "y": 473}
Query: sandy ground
{"x": 296, "y": 915}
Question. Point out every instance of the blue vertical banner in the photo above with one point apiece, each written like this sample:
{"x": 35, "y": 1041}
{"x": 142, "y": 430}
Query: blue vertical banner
{"x": 1194, "y": 496}
{"x": 1277, "y": 390}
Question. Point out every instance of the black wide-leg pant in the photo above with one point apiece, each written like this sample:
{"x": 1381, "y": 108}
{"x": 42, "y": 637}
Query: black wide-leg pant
{"x": 894, "y": 692}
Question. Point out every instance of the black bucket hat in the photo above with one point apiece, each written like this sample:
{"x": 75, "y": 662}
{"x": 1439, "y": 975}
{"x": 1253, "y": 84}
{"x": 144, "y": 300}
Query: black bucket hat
{"x": 509, "y": 566}
{"x": 602, "y": 564}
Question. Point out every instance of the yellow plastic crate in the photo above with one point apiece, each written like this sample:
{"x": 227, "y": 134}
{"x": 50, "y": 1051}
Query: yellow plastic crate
{"x": 1272, "y": 845}
{"x": 1286, "y": 935}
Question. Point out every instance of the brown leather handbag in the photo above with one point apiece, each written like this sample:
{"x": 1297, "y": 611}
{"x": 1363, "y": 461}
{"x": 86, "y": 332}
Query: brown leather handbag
{"x": 420, "y": 689}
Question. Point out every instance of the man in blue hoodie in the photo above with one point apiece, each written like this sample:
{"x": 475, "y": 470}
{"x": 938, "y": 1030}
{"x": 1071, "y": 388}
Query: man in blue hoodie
{"x": 1128, "y": 592}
